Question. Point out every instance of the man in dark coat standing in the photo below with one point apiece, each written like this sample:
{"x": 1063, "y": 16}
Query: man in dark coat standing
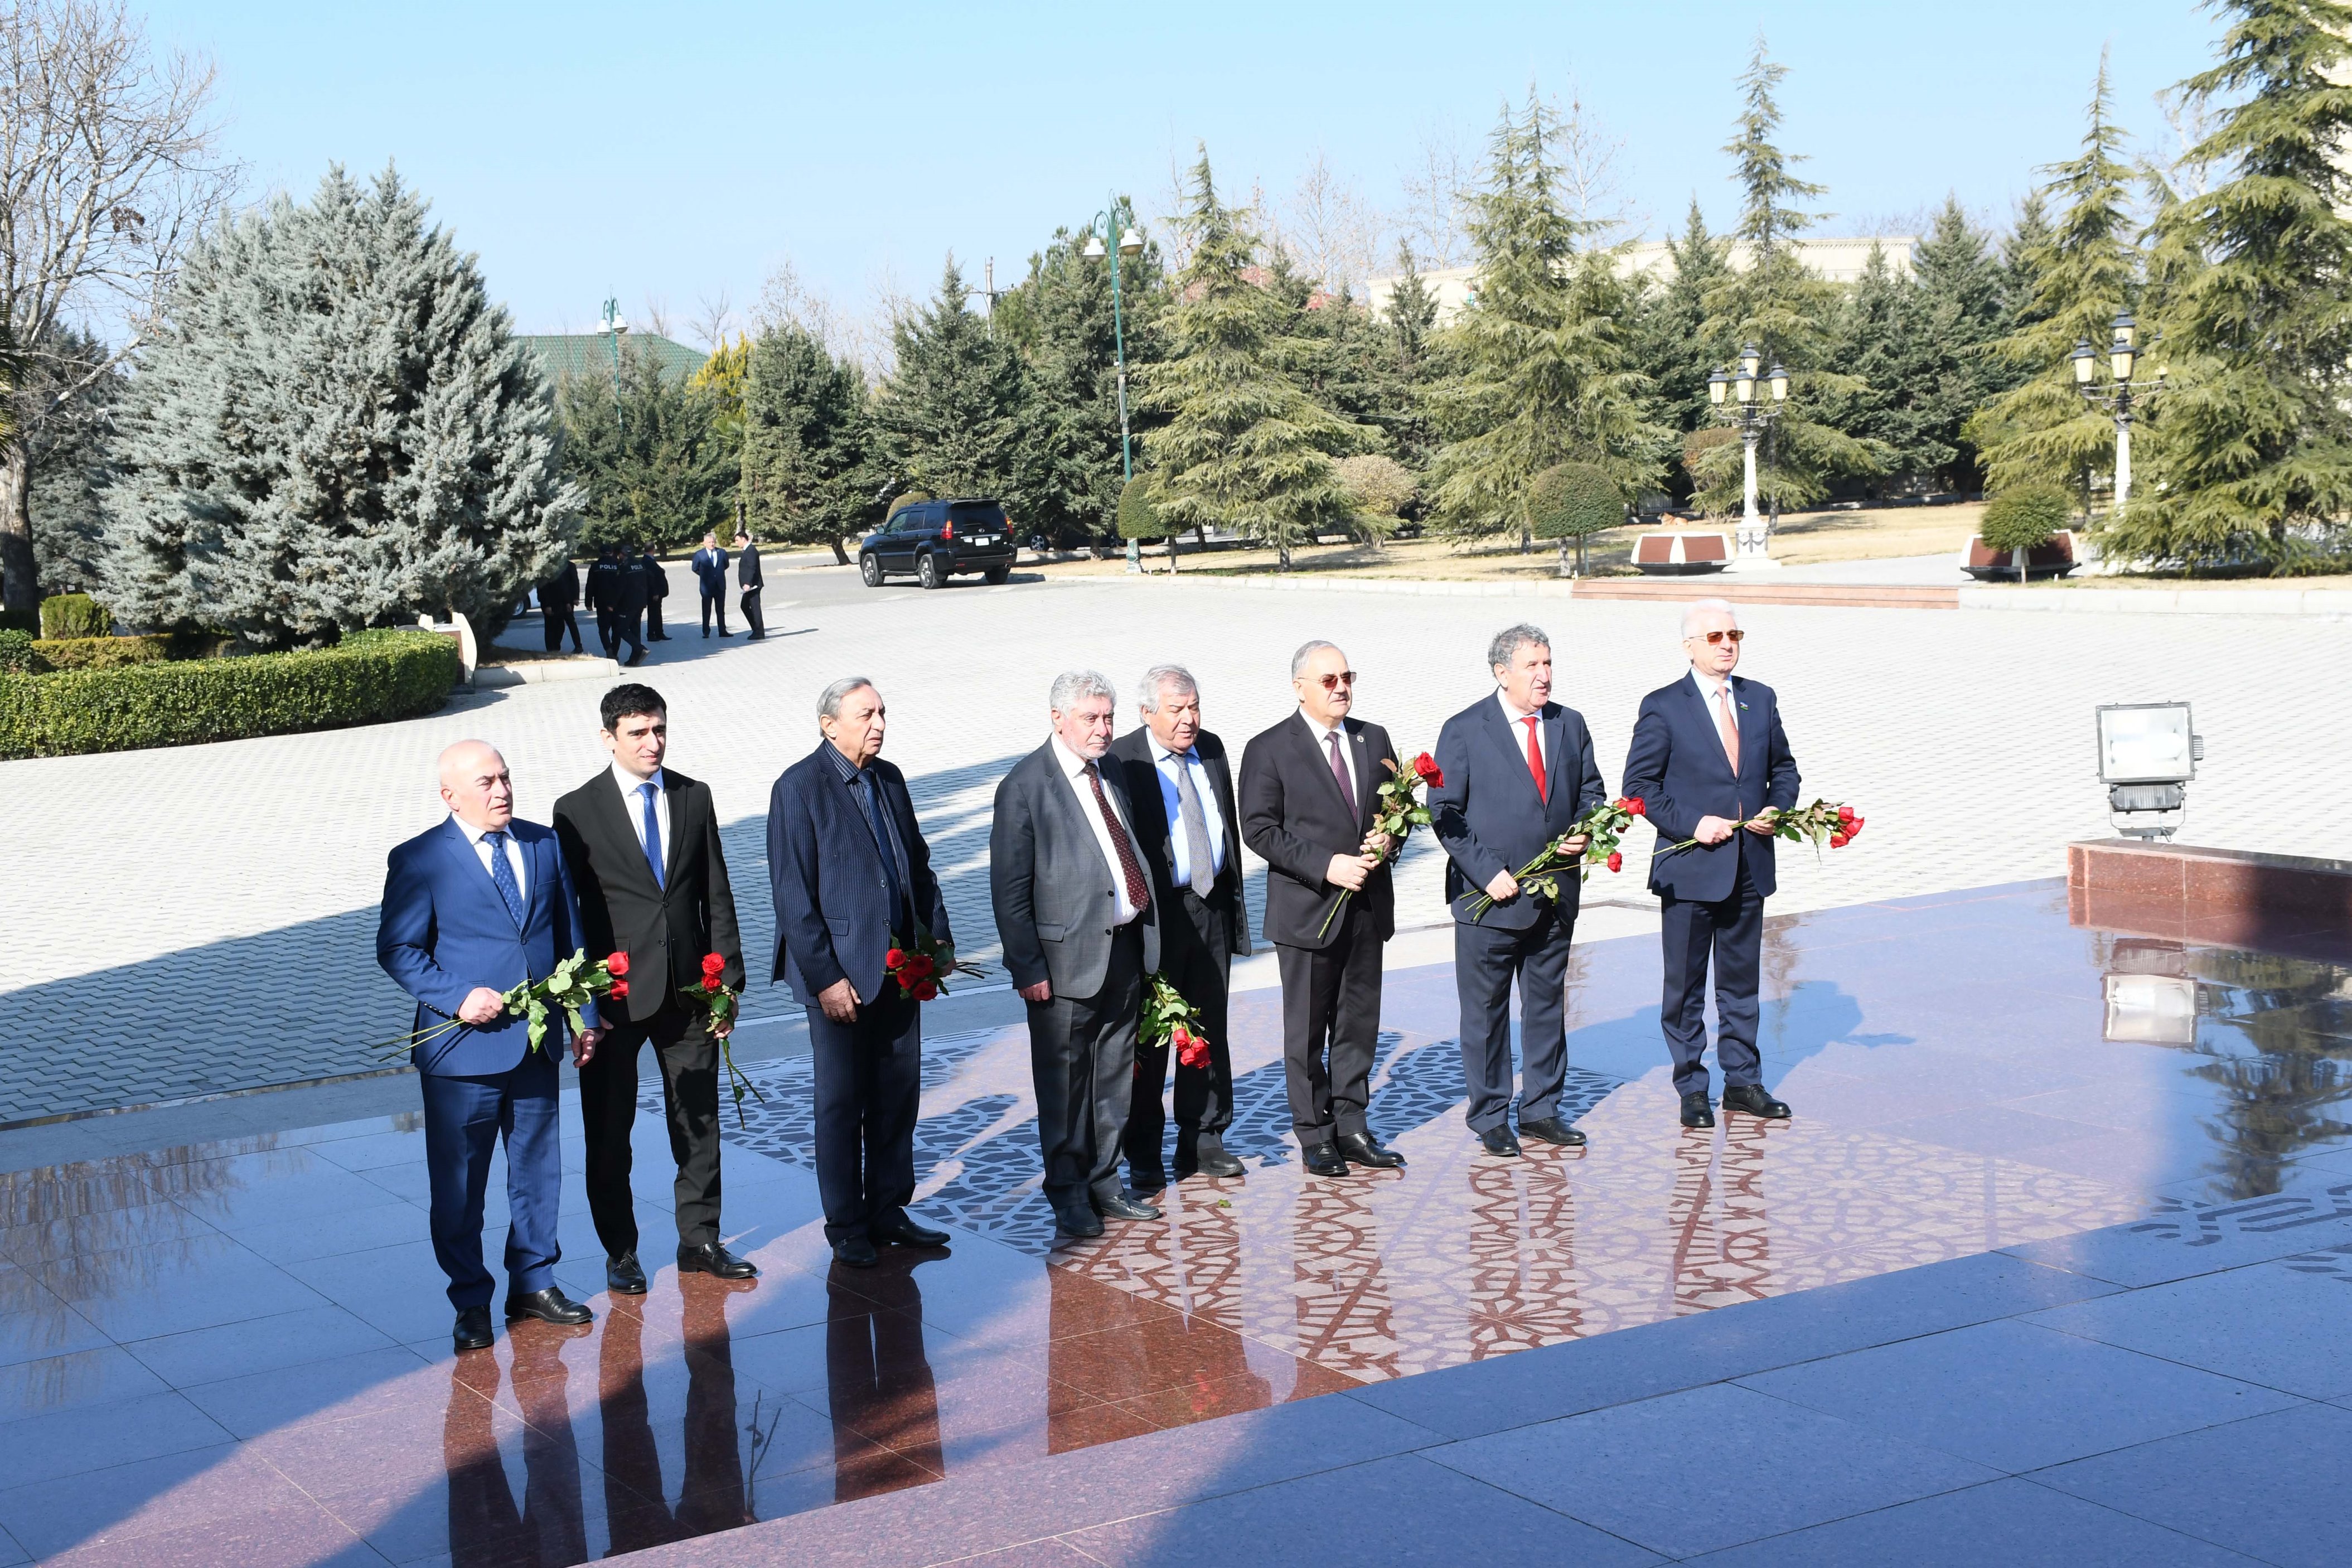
{"x": 656, "y": 590}
{"x": 604, "y": 597}
{"x": 1308, "y": 802}
{"x": 852, "y": 879}
{"x": 1192, "y": 845}
{"x": 558, "y": 595}
{"x": 642, "y": 843}
{"x": 1519, "y": 773}
{"x": 1708, "y": 754}
{"x": 711, "y": 569}
{"x": 748, "y": 578}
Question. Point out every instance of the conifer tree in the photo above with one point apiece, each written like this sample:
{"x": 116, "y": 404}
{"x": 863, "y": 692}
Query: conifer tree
{"x": 951, "y": 420}
{"x": 1671, "y": 345}
{"x": 806, "y": 480}
{"x": 1887, "y": 348}
{"x": 1413, "y": 364}
{"x": 2252, "y": 455}
{"x": 2022, "y": 250}
{"x": 1544, "y": 376}
{"x": 1952, "y": 370}
{"x": 650, "y": 453}
{"x": 334, "y": 428}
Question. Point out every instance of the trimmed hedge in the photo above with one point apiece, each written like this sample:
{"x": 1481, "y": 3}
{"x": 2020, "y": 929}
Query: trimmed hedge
{"x": 75, "y": 616}
{"x": 369, "y": 677}
{"x": 16, "y": 655}
{"x": 1138, "y": 511}
{"x": 101, "y": 652}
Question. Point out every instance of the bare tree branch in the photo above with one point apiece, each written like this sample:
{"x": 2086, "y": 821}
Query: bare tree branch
{"x": 1443, "y": 170}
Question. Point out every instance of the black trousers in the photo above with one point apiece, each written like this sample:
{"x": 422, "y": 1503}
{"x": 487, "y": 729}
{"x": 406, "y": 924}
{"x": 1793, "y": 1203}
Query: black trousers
{"x": 652, "y": 620}
{"x": 869, "y": 1080}
{"x": 714, "y": 604}
{"x": 555, "y": 623}
{"x": 608, "y": 1106}
{"x": 1486, "y": 959}
{"x": 1731, "y": 931}
{"x": 1331, "y": 1027}
{"x": 1196, "y": 955}
{"x": 1082, "y": 1057}
{"x": 751, "y": 616}
{"x": 608, "y": 631}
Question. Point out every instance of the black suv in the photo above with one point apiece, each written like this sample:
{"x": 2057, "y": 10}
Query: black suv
{"x": 937, "y": 539}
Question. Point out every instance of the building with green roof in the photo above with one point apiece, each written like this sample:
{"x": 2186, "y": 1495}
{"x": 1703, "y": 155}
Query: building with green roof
{"x": 576, "y": 353}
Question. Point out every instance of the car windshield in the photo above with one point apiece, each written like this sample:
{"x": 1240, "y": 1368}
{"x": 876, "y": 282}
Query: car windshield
{"x": 976, "y": 514}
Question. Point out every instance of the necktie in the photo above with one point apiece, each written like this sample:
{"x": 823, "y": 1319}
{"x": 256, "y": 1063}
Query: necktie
{"x": 1728, "y": 725}
{"x": 502, "y": 873}
{"x": 1196, "y": 827}
{"x": 1340, "y": 773}
{"x": 1138, "y": 892}
{"x": 652, "y": 834}
{"x": 869, "y": 796}
{"x": 1535, "y": 759}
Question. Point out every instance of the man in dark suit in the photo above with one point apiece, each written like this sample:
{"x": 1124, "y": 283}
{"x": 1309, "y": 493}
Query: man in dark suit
{"x": 558, "y": 595}
{"x": 852, "y": 879}
{"x": 1308, "y": 800}
{"x": 748, "y": 578}
{"x": 642, "y": 843}
{"x": 1192, "y": 845}
{"x": 710, "y": 568}
{"x": 631, "y": 594}
{"x": 1518, "y": 772}
{"x": 1708, "y": 754}
{"x": 473, "y": 907}
{"x": 604, "y": 597}
{"x": 656, "y": 590}
{"x": 1075, "y": 911}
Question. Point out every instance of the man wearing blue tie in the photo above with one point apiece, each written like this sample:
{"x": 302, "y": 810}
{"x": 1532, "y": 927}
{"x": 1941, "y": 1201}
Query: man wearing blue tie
{"x": 710, "y": 568}
{"x": 472, "y": 908}
{"x": 1708, "y": 754}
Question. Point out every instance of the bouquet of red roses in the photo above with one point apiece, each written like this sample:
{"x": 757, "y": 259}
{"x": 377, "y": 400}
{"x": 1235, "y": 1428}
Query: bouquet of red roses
{"x": 1823, "y": 823}
{"x": 1399, "y": 811}
{"x": 1601, "y": 829}
{"x": 1168, "y": 1016}
{"x": 567, "y": 988}
{"x": 718, "y": 1000}
{"x": 922, "y": 967}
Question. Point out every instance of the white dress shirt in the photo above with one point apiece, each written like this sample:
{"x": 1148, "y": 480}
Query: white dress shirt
{"x": 1709, "y": 686}
{"x": 1346, "y": 751}
{"x": 1519, "y": 722}
{"x": 1073, "y": 768}
{"x": 634, "y": 804}
{"x": 479, "y": 836}
{"x": 1168, "y": 761}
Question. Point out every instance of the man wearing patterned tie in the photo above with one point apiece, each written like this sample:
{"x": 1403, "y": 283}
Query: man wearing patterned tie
{"x": 642, "y": 842}
{"x": 1708, "y": 755}
{"x": 1079, "y": 925}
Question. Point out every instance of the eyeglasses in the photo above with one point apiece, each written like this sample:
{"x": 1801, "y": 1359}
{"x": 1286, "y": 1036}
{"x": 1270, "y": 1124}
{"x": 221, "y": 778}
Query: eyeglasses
{"x": 1735, "y": 633}
{"x": 1333, "y": 682}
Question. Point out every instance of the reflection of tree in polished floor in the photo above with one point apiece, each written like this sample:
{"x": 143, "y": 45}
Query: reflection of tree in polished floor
{"x": 2279, "y": 1049}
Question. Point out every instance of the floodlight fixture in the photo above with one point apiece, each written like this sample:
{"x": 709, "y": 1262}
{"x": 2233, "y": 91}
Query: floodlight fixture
{"x": 2151, "y": 1010}
{"x": 2148, "y": 752}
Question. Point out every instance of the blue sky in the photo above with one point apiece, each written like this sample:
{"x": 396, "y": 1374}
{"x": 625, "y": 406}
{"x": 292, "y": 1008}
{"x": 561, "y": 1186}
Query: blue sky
{"x": 678, "y": 151}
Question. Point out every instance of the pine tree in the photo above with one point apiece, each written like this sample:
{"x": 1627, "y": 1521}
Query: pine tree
{"x": 951, "y": 420}
{"x": 1546, "y": 375}
{"x": 1952, "y": 370}
{"x": 1887, "y": 349}
{"x": 1412, "y": 314}
{"x": 334, "y": 428}
{"x": 2022, "y": 250}
{"x": 2252, "y": 455}
{"x": 1244, "y": 446}
{"x": 650, "y": 451}
{"x": 806, "y": 480}
{"x": 1670, "y": 344}
{"x": 1413, "y": 364}
{"x": 2040, "y": 430}
{"x": 1790, "y": 314}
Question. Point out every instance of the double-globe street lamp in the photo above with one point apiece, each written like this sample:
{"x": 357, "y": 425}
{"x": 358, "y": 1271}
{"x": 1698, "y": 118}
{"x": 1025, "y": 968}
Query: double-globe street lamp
{"x": 2122, "y": 354}
{"x": 1130, "y": 243}
{"x": 1734, "y": 395}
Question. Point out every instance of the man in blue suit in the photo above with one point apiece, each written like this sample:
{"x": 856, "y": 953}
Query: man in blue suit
{"x": 709, "y": 564}
{"x": 852, "y": 877}
{"x": 1708, "y": 754}
{"x": 1518, "y": 772}
{"x": 473, "y": 908}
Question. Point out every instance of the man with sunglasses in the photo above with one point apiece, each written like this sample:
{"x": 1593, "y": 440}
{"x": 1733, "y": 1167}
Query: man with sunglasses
{"x": 1308, "y": 800}
{"x": 1709, "y": 759}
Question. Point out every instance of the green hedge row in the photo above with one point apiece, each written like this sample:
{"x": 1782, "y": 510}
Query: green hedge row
{"x": 367, "y": 678}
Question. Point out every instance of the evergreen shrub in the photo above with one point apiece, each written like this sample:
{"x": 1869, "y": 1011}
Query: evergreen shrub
{"x": 1572, "y": 501}
{"x": 16, "y": 655}
{"x": 2025, "y": 517}
{"x": 1138, "y": 511}
{"x": 74, "y": 615}
{"x": 104, "y": 653}
{"x": 368, "y": 678}
{"x": 911, "y": 498}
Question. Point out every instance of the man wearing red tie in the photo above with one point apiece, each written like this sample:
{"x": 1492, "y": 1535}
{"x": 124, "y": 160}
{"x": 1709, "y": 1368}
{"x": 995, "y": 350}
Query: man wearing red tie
{"x": 1709, "y": 756}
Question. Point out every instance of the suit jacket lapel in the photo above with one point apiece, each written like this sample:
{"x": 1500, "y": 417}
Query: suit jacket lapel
{"x": 673, "y": 792}
{"x": 463, "y": 848}
{"x": 1752, "y": 733}
{"x": 625, "y": 831}
{"x": 1556, "y": 760}
{"x": 1512, "y": 740}
{"x": 1706, "y": 721}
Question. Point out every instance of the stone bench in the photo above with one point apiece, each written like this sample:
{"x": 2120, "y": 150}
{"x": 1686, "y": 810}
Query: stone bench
{"x": 1682, "y": 554}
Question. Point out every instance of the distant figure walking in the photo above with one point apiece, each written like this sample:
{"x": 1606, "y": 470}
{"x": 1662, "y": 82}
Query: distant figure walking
{"x": 747, "y": 578}
{"x": 710, "y": 567}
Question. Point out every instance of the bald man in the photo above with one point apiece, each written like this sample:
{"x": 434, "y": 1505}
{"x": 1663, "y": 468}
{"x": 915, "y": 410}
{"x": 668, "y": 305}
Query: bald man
{"x": 473, "y": 907}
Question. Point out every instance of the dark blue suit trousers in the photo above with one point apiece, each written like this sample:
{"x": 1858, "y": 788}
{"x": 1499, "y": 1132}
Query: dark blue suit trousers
{"x": 465, "y": 1118}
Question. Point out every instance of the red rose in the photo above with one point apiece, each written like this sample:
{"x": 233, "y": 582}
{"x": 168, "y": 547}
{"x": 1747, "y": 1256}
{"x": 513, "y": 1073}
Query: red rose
{"x": 1616, "y": 861}
{"x": 620, "y": 988}
{"x": 711, "y": 983}
{"x": 1635, "y": 806}
{"x": 1846, "y": 814}
{"x": 893, "y": 959}
{"x": 1426, "y": 767}
{"x": 617, "y": 964}
{"x": 1194, "y": 1052}
{"x": 713, "y": 964}
{"x": 1838, "y": 840}
{"x": 921, "y": 967}
{"x": 925, "y": 991}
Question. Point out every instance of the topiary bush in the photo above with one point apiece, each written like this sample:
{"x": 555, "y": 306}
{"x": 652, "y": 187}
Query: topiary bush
{"x": 368, "y": 678}
{"x": 1574, "y": 502}
{"x": 17, "y": 656}
{"x": 910, "y": 499}
{"x": 2023, "y": 518}
{"x": 104, "y": 653}
{"x": 74, "y": 615}
{"x": 1140, "y": 517}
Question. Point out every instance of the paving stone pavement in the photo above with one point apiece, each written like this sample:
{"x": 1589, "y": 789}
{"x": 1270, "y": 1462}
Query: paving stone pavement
{"x": 181, "y": 922}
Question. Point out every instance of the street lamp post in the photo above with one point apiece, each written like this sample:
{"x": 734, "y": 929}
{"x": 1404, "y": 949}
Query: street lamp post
{"x": 614, "y": 325}
{"x": 1130, "y": 243}
{"x": 1734, "y": 394}
{"x": 2122, "y": 355}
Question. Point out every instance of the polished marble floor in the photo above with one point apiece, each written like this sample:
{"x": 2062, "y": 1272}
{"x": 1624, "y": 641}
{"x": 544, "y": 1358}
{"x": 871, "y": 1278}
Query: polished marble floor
{"x": 237, "y": 1352}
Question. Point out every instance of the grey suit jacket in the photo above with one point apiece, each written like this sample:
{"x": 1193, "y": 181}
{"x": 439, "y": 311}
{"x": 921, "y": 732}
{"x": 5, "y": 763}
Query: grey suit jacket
{"x": 1054, "y": 893}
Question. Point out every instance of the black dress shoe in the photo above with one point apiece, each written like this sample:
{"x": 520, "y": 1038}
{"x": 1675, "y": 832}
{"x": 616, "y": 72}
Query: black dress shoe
{"x": 1697, "y": 1111}
{"x": 473, "y": 1329}
{"x": 1119, "y": 1205}
{"x": 1363, "y": 1149}
{"x": 624, "y": 1276}
{"x": 902, "y": 1231}
{"x": 1145, "y": 1178}
{"x": 1551, "y": 1129}
{"x": 1204, "y": 1154}
{"x": 856, "y": 1252}
{"x": 1076, "y": 1219}
{"x": 1321, "y": 1160}
{"x": 1751, "y": 1098}
{"x": 549, "y": 1306}
{"x": 1497, "y": 1140}
{"x": 710, "y": 1258}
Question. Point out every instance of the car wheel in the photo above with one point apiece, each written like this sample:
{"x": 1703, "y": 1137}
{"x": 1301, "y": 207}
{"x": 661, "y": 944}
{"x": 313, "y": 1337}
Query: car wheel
{"x": 869, "y": 567}
{"x": 928, "y": 573}
{"x": 999, "y": 573}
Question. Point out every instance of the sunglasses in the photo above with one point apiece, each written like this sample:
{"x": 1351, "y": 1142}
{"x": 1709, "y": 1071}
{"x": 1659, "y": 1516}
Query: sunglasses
{"x": 1345, "y": 678}
{"x": 1735, "y": 635}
